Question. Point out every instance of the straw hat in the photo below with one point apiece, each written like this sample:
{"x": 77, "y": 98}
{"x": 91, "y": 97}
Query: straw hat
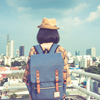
{"x": 48, "y": 24}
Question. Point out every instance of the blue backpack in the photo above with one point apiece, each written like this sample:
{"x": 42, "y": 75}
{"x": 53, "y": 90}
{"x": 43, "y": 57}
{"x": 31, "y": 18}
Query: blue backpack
{"x": 46, "y": 74}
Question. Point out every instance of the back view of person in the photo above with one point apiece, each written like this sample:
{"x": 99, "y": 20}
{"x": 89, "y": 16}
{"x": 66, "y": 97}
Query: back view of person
{"x": 47, "y": 36}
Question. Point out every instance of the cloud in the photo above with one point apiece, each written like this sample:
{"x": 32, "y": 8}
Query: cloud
{"x": 12, "y": 3}
{"x": 70, "y": 21}
{"x": 24, "y": 16}
{"x": 81, "y": 7}
{"x": 77, "y": 9}
{"x": 23, "y": 9}
{"x": 16, "y": 4}
{"x": 70, "y": 24}
{"x": 94, "y": 15}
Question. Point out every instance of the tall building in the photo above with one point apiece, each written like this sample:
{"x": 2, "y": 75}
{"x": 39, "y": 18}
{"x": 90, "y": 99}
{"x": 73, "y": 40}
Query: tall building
{"x": 77, "y": 52}
{"x": 91, "y": 51}
{"x": 10, "y": 48}
{"x": 7, "y": 46}
{"x": 21, "y": 49}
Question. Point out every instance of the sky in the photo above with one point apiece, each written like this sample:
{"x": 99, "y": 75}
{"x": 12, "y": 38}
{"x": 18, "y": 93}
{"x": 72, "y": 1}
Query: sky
{"x": 79, "y": 22}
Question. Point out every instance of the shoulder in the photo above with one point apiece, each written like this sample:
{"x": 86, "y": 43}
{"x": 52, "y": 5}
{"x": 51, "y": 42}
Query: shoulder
{"x": 32, "y": 50}
{"x": 61, "y": 49}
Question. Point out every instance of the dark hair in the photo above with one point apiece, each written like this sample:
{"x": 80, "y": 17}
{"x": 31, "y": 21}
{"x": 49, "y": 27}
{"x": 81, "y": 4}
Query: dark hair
{"x": 47, "y": 35}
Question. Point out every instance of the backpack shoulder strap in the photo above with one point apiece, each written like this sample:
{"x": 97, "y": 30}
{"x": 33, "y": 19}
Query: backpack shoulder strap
{"x": 53, "y": 48}
{"x": 38, "y": 49}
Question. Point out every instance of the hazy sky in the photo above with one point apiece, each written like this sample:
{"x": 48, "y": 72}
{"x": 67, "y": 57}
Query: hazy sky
{"x": 79, "y": 22}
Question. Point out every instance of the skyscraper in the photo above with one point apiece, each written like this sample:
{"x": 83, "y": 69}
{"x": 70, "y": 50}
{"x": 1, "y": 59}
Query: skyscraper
{"x": 9, "y": 51}
{"x": 91, "y": 51}
{"x": 21, "y": 49}
{"x": 10, "y": 48}
{"x": 7, "y": 46}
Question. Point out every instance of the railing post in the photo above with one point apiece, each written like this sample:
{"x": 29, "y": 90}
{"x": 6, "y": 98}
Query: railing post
{"x": 99, "y": 88}
{"x": 88, "y": 87}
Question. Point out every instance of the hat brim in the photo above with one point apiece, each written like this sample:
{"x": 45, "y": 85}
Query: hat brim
{"x": 48, "y": 27}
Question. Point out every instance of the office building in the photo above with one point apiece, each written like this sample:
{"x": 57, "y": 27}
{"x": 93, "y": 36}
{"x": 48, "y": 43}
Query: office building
{"x": 21, "y": 49}
{"x": 86, "y": 61}
{"x": 77, "y": 53}
{"x": 77, "y": 60}
{"x": 91, "y": 51}
{"x": 7, "y": 60}
{"x": 11, "y": 48}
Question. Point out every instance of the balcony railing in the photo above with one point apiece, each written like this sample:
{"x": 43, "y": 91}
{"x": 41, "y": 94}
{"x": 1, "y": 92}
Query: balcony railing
{"x": 87, "y": 90}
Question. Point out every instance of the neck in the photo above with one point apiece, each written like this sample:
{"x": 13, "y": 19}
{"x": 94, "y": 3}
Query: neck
{"x": 47, "y": 45}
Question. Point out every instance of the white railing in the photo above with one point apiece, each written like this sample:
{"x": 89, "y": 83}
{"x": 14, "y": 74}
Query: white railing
{"x": 87, "y": 90}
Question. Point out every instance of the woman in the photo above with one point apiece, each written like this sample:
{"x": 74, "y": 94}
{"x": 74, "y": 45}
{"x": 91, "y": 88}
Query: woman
{"x": 46, "y": 37}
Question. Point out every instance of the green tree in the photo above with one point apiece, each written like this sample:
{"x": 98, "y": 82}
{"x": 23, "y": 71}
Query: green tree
{"x": 3, "y": 81}
{"x": 13, "y": 96}
{"x": 94, "y": 59}
{"x": 23, "y": 63}
{"x": 99, "y": 65}
{"x": 16, "y": 63}
{"x": 25, "y": 96}
{"x": 7, "y": 65}
{"x": 93, "y": 69}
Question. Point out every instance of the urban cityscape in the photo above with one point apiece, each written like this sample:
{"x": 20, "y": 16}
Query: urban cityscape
{"x": 12, "y": 68}
{"x": 79, "y": 32}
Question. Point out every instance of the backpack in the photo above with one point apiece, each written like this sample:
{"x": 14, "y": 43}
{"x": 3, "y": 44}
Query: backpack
{"x": 46, "y": 74}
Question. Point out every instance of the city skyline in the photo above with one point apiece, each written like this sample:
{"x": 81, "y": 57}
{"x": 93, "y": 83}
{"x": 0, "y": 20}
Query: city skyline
{"x": 20, "y": 52}
{"x": 79, "y": 23}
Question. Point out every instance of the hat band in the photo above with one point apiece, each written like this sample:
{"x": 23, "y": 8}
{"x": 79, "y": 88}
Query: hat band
{"x": 49, "y": 25}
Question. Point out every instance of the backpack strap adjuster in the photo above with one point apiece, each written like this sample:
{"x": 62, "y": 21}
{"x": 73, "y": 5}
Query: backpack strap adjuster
{"x": 38, "y": 81}
{"x": 65, "y": 75}
{"x": 57, "y": 80}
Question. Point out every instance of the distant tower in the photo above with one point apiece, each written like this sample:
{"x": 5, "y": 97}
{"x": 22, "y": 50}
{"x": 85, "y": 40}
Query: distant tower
{"x": 7, "y": 58}
{"x": 7, "y": 38}
{"x": 21, "y": 49}
{"x": 77, "y": 52}
{"x": 9, "y": 48}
